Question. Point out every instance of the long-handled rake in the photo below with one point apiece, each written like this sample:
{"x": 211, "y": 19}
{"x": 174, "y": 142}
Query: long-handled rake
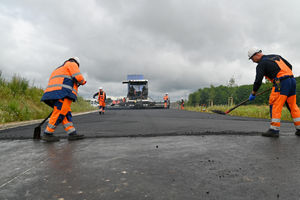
{"x": 243, "y": 102}
{"x": 37, "y": 130}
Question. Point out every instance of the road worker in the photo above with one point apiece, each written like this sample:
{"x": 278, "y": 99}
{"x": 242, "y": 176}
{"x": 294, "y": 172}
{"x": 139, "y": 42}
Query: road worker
{"x": 182, "y": 104}
{"x": 101, "y": 99}
{"x": 166, "y": 100}
{"x": 279, "y": 71}
{"x": 60, "y": 93}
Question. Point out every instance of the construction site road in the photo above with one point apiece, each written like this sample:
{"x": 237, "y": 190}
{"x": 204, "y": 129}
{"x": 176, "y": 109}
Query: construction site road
{"x": 152, "y": 154}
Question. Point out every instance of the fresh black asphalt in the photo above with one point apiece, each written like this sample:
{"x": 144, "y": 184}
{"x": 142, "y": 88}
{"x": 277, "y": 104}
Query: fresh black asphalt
{"x": 153, "y": 154}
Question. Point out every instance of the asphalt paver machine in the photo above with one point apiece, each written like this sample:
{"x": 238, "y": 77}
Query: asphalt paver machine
{"x": 137, "y": 95}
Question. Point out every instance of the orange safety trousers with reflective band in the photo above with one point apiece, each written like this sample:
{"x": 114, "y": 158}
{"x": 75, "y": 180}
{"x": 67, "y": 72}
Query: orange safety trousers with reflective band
{"x": 182, "y": 106}
{"x": 61, "y": 114}
{"x": 166, "y": 98}
{"x": 283, "y": 92}
{"x": 101, "y": 99}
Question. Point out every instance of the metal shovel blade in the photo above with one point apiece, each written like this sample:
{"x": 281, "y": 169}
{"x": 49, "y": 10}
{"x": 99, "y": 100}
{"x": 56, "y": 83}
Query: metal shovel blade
{"x": 37, "y": 133}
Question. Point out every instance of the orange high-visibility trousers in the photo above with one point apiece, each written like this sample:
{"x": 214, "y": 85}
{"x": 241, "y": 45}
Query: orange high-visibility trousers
{"x": 102, "y": 106}
{"x": 278, "y": 97}
{"x": 182, "y": 106}
{"x": 61, "y": 114}
{"x": 166, "y": 104}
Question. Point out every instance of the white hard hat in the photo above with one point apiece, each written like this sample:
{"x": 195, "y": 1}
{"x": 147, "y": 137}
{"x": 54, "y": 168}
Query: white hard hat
{"x": 100, "y": 88}
{"x": 253, "y": 51}
{"x": 76, "y": 59}
{"x": 166, "y": 93}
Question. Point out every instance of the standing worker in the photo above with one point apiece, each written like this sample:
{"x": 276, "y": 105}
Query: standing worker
{"x": 101, "y": 99}
{"x": 279, "y": 71}
{"x": 166, "y": 101}
{"x": 182, "y": 104}
{"x": 60, "y": 93}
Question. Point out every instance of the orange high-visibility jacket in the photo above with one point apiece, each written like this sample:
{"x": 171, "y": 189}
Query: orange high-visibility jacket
{"x": 166, "y": 98}
{"x": 272, "y": 67}
{"x": 101, "y": 97}
{"x": 64, "y": 82}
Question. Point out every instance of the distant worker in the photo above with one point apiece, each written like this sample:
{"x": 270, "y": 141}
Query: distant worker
{"x": 279, "y": 71}
{"x": 166, "y": 101}
{"x": 101, "y": 99}
{"x": 182, "y": 104}
{"x": 60, "y": 93}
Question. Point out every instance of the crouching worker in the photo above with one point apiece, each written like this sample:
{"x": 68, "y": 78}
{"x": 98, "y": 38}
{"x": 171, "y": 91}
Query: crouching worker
{"x": 101, "y": 99}
{"x": 60, "y": 93}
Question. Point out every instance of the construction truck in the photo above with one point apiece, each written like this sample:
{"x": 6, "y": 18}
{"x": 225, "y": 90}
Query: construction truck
{"x": 137, "y": 94}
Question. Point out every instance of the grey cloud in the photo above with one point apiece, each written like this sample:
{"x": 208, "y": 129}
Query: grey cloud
{"x": 178, "y": 45}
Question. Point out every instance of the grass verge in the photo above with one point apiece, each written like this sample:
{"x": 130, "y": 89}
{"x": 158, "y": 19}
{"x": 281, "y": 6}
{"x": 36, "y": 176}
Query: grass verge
{"x": 21, "y": 102}
{"x": 261, "y": 111}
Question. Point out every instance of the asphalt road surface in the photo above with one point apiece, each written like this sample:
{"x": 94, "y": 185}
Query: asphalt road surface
{"x": 152, "y": 154}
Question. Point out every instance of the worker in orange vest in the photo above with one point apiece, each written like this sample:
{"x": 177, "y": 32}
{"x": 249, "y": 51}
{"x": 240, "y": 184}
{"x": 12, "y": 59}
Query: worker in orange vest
{"x": 279, "y": 71}
{"x": 166, "y": 101}
{"x": 182, "y": 104}
{"x": 101, "y": 99}
{"x": 60, "y": 93}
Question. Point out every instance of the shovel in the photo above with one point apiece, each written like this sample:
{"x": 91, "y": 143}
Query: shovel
{"x": 231, "y": 109}
{"x": 37, "y": 130}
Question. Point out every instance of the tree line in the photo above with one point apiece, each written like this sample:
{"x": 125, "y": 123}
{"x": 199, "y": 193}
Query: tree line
{"x": 220, "y": 94}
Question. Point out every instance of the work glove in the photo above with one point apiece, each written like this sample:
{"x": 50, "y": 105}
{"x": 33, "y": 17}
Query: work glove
{"x": 251, "y": 97}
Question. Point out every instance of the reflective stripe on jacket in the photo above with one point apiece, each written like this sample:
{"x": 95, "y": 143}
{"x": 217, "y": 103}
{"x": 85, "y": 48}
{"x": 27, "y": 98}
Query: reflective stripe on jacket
{"x": 64, "y": 82}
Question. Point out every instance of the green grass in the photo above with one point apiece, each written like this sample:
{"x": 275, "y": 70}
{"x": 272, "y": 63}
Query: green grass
{"x": 20, "y": 102}
{"x": 261, "y": 111}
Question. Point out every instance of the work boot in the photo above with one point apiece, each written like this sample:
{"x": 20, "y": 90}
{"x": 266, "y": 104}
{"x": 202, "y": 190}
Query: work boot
{"x": 297, "y": 132}
{"x": 50, "y": 138}
{"x": 271, "y": 133}
{"x": 75, "y": 136}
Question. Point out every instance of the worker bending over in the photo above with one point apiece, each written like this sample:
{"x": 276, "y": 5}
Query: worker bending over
{"x": 279, "y": 71}
{"x": 60, "y": 93}
{"x": 101, "y": 99}
{"x": 166, "y": 101}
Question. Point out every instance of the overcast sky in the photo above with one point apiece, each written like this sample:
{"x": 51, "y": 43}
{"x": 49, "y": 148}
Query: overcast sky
{"x": 179, "y": 45}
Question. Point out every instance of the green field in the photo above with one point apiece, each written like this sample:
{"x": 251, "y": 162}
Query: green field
{"x": 20, "y": 102}
{"x": 256, "y": 111}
